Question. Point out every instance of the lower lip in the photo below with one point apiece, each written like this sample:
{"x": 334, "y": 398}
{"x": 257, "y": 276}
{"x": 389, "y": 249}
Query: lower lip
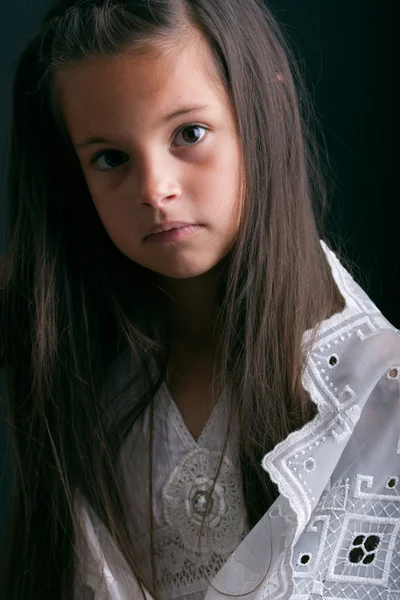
{"x": 174, "y": 235}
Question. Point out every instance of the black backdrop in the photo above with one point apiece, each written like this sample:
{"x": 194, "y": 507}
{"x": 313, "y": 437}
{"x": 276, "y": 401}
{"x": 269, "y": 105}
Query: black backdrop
{"x": 348, "y": 55}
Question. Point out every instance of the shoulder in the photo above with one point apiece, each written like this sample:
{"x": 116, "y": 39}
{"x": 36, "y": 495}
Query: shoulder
{"x": 354, "y": 364}
{"x": 355, "y": 350}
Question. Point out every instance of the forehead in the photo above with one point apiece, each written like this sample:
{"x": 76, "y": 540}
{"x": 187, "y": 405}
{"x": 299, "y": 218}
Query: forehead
{"x": 138, "y": 85}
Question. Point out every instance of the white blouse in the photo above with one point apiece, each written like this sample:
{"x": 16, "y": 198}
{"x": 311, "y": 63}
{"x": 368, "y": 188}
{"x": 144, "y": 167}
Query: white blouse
{"x": 333, "y": 531}
{"x": 184, "y": 470}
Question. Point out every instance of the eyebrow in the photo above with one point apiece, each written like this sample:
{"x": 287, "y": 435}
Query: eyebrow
{"x": 88, "y": 141}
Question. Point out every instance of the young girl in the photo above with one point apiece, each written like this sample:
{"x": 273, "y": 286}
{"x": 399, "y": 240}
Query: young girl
{"x": 203, "y": 402}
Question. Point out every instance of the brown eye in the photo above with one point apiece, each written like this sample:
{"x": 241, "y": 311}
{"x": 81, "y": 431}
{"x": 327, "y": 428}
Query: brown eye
{"x": 111, "y": 158}
{"x": 192, "y": 134}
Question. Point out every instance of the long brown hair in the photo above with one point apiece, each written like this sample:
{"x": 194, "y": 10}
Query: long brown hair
{"x": 66, "y": 315}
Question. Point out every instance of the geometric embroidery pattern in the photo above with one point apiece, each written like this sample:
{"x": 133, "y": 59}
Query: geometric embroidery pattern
{"x": 356, "y": 542}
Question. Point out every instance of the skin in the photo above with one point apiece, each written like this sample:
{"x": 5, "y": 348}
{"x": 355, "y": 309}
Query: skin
{"x": 159, "y": 170}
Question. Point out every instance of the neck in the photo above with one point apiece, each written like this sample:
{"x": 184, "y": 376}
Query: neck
{"x": 192, "y": 306}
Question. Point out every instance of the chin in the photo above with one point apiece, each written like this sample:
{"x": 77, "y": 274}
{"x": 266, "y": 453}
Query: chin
{"x": 183, "y": 271}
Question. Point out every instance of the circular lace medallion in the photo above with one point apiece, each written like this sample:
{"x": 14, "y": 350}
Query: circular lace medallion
{"x": 208, "y": 516}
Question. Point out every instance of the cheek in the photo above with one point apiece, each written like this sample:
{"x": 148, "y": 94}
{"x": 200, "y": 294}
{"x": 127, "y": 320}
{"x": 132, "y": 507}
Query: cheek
{"x": 226, "y": 191}
{"x": 118, "y": 220}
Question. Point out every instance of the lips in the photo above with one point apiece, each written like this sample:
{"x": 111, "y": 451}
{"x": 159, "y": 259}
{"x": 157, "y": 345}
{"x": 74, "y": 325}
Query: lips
{"x": 174, "y": 234}
{"x": 162, "y": 227}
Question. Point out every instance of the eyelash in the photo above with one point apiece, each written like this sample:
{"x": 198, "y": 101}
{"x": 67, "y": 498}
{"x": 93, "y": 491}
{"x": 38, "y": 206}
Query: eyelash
{"x": 101, "y": 153}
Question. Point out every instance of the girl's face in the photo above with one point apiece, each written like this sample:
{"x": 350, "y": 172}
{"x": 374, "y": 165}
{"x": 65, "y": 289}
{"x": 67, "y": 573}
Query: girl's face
{"x": 145, "y": 165}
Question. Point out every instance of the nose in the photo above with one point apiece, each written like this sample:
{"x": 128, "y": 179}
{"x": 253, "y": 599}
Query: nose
{"x": 157, "y": 181}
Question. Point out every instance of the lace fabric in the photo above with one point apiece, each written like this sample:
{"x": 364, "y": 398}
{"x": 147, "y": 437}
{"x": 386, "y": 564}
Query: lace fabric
{"x": 196, "y": 525}
{"x": 333, "y": 532}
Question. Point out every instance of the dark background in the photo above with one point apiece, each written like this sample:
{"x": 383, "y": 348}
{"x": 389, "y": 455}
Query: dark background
{"x": 346, "y": 49}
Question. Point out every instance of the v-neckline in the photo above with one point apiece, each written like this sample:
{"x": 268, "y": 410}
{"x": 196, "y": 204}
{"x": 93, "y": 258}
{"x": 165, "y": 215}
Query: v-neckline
{"x": 177, "y": 418}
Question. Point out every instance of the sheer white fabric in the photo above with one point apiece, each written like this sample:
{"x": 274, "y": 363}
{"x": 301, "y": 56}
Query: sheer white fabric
{"x": 187, "y": 555}
{"x": 333, "y": 532}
